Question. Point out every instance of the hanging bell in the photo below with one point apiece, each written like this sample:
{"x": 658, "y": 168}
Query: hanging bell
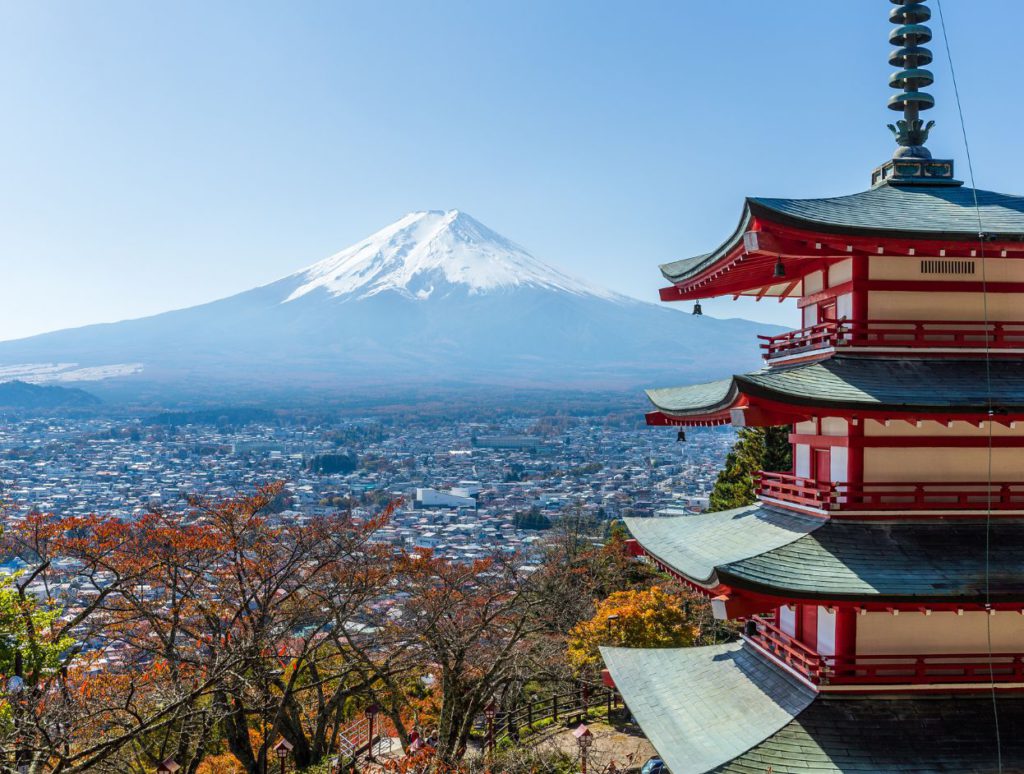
{"x": 780, "y": 269}
{"x": 696, "y": 309}
{"x": 681, "y": 436}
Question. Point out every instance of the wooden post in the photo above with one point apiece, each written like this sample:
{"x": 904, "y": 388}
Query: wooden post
{"x": 554, "y": 707}
{"x": 609, "y": 697}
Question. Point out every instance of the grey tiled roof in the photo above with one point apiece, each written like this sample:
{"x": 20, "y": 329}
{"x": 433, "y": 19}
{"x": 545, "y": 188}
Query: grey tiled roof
{"x": 921, "y": 212}
{"x": 876, "y": 383}
{"x": 724, "y": 710}
{"x": 762, "y": 549}
{"x": 901, "y": 735}
{"x": 702, "y": 707}
{"x": 696, "y": 544}
{"x": 934, "y": 561}
{"x": 696, "y": 398}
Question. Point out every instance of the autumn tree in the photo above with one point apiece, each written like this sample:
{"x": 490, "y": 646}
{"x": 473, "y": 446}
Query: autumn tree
{"x": 638, "y": 618}
{"x": 464, "y": 624}
{"x": 193, "y": 630}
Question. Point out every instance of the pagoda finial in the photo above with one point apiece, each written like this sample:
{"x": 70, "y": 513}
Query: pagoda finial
{"x": 912, "y": 163}
{"x": 911, "y": 132}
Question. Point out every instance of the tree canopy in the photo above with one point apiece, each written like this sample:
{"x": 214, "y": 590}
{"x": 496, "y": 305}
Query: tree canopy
{"x": 756, "y": 448}
{"x": 634, "y": 618}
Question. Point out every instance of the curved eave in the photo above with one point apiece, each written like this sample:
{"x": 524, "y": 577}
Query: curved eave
{"x": 849, "y": 384}
{"x": 770, "y": 552}
{"x": 689, "y": 268}
{"x": 708, "y": 403}
{"x": 896, "y": 213}
{"x": 696, "y": 546}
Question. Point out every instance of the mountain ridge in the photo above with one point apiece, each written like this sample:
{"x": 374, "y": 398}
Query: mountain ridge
{"x": 434, "y": 298}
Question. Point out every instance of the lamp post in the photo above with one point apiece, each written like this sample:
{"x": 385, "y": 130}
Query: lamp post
{"x": 490, "y": 711}
{"x": 584, "y": 738}
{"x": 371, "y": 714}
{"x": 611, "y": 621}
{"x": 283, "y": 749}
{"x": 168, "y": 766}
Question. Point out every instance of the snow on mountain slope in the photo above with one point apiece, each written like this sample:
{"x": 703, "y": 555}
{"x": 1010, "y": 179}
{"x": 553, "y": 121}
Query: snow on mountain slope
{"x": 434, "y": 299}
{"x": 425, "y": 253}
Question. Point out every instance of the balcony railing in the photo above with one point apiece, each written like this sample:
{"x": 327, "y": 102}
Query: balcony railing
{"x": 931, "y": 334}
{"x": 882, "y": 670}
{"x": 788, "y": 650}
{"x": 926, "y": 670}
{"x": 798, "y": 490}
{"x": 891, "y": 496}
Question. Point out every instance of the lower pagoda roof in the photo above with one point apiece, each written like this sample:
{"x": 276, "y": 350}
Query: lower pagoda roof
{"x": 724, "y": 709}
{"x": 852, "y": 383}
{"x": 702, "y": 707}
{"x": 765, "y": 550}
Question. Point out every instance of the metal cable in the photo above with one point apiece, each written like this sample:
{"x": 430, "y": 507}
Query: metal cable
{"x": 988, "y": 387}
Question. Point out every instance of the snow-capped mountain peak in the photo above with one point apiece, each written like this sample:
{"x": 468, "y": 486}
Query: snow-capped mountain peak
{"x": 426, "y": 254}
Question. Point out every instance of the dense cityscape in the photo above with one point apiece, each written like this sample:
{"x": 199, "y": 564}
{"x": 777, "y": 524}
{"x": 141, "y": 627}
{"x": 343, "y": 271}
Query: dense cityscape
{"x": 467, "y": 486}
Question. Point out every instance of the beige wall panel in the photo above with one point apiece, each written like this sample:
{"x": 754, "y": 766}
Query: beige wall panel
{"x": 887, "y": 267}
{"x": 940, "y": 632}
{"x": 896, "y": 305}
{"x": 933, "y": 464}
{"x": 932, "y": 429}
{"x": 814, "y": 282}
{"x": 841, "y": 272}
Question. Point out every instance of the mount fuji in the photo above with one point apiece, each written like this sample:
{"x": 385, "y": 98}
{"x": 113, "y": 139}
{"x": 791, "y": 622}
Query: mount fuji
{"x": 434, "y": 299}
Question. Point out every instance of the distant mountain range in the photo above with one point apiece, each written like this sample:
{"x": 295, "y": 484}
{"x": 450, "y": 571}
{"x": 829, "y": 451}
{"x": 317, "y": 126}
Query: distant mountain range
{"x": 21, "y": 395}
{"x": 434, "y": 299}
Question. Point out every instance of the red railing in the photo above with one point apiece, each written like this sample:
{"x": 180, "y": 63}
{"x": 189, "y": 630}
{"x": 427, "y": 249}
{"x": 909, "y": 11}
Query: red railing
{"x": 902, "y": 669}
{"x": 787, "y": 650}
{"x": 818, "y": 336}
{"x": 918, "y": 670}
{"x": 885, "y": 496}
{"x": 795, "y": 489}
{"x": 953, "y": 334}
{"x": 931, "y": 496}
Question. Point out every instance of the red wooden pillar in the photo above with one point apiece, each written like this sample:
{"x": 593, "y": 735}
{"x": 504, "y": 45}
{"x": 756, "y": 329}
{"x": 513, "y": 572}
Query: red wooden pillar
{"x": 855, "y": 455}
{"x": 859, "y": 288}
{"x": 846, "y": 637}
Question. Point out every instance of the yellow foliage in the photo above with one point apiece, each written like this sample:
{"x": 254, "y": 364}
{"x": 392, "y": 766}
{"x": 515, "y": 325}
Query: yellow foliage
{"x": 643, "y": 618}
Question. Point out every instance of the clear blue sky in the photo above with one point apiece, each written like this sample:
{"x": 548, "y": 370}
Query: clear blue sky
{"x": 158, "y": 155}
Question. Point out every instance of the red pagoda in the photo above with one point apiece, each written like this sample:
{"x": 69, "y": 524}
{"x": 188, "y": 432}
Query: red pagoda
{"x": 881, "y": 580}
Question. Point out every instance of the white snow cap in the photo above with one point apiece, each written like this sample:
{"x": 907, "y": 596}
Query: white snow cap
{"x": 418, "y": 255}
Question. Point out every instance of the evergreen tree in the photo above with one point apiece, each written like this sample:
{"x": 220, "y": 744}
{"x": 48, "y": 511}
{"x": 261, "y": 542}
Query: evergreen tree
{"x": 757, "y": 448}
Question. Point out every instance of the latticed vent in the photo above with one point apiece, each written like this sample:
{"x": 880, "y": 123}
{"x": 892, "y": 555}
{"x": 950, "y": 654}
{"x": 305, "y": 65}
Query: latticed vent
{"x": 947, "y": 267}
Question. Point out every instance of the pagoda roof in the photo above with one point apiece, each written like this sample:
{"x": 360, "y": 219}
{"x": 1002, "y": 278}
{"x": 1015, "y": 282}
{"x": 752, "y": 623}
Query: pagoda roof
{"x": 894, "y": 211}
{"x": 702, "y": 707}
{"x": 725, "y": 710}
{"x": 857, "y": 382}
{"x": 765, "y": 550}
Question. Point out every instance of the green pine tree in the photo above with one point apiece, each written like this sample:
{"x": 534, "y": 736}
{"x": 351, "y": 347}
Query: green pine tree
{"x": 757, "y": 448}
